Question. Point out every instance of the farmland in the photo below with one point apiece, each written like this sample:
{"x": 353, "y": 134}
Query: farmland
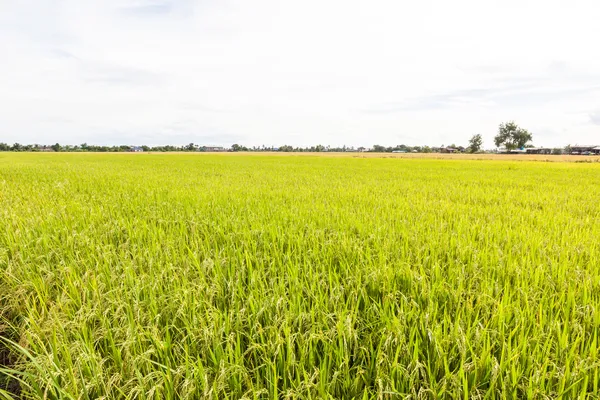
{"x": 210, "y": 276}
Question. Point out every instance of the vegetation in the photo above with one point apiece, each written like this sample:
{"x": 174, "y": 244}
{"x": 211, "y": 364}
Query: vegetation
{"x": 511, "y": 136}
{"x": 179, "y": 276}
{"x": 475, "y": 144}
{"x": 84, "y": 147}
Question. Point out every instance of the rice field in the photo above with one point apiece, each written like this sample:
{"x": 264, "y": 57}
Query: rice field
{"x": 265, "y": 277}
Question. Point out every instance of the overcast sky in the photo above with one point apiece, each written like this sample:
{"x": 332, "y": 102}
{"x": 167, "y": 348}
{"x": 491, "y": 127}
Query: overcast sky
{"x": 274, "y": 72}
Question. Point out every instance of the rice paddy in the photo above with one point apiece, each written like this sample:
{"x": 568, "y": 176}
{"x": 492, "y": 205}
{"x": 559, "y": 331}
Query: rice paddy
{"x": 267, "y": 277}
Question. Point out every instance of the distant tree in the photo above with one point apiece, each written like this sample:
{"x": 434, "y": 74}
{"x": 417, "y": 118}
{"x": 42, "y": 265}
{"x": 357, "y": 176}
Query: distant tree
{"x": 286, "y": 148}
{"x": 400, "y": 147}
{"x": 236, "y": 147}
{"x": 512, "y": 136}
{"x": 426, "y": 149}
{"x": 378, "y": 148}
{"x": 475, "y": 143}
{"x": 16, "y": 147}
{"x": 4, "y": 147}
{"x": 190, "y": 147}
{"x": 557, "y": 151}
{"x": 55, "y": 147}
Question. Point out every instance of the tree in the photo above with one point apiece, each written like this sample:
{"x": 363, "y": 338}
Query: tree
{"x": 55, "y": 147}
{"x": 190, "y": 147}
{"x": 475, "y": 143}
{"x": 512, "y": 136}
{"x": 238, "y": 147}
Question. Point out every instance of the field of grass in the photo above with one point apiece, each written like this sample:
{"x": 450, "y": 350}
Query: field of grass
{"x": 263, "y": 277}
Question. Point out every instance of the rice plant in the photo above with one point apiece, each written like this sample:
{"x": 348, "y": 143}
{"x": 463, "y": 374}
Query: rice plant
{"x": 261, "y": 277}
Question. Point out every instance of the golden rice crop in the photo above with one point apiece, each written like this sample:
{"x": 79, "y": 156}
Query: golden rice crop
{"x": 206, "y": 276}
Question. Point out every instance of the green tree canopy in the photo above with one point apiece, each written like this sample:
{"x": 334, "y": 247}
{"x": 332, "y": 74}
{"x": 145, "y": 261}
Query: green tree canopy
{"x": 475, "y": 143}
{"x": 511, "y": 136}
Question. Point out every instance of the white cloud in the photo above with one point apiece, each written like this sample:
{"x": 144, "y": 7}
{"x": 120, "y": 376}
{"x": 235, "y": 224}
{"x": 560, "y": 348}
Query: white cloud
{"x": 275, "y": 72}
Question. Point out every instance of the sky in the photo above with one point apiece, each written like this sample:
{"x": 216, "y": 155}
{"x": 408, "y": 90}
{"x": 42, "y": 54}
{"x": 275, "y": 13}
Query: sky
{"x": 275, "y": 72}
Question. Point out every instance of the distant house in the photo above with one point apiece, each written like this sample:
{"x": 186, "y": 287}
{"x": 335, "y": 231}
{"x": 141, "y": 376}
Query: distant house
{"x": 399, "y": 151}
{"x": 136, "y": 149}
{"x": 212, "y": 148}
{"x": 539, "y": 150}
{"x": 503, "y": 150}
{"x": 449, "y": 150}
{"x": 585, "y": 149}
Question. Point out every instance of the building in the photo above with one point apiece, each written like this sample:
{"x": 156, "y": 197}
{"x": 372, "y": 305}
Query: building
{"x": 212, "y": 148}
{"x": 585, "y": 149}
{"x": 136, "y": 149}
{"x": 503, "y": 150}
{"x": 449, "y": 150}
{"x": 539, "y": 150}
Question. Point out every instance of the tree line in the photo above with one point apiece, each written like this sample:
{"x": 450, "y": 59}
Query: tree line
{"x": 94, "y": 148}
{"x": 510, "y": 136}
{"x": 18, "y": 147}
